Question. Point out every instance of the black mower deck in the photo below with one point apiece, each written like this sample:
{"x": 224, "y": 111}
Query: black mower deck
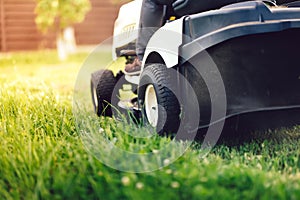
{"x": 256, "y": 52}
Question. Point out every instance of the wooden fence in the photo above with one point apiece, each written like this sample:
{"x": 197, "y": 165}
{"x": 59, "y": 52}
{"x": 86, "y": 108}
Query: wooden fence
{"x": 18, "y": 30}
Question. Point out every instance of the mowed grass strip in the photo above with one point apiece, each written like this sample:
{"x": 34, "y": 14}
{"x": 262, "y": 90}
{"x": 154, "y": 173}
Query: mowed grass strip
{"x": 42, "y": 155}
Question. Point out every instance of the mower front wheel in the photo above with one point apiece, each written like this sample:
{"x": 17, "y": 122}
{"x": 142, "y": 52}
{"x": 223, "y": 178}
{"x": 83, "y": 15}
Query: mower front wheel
{"x": 158, "y": 98}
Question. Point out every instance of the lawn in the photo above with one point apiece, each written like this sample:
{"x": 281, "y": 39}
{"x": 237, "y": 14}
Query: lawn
{"x": 43, "y": 155}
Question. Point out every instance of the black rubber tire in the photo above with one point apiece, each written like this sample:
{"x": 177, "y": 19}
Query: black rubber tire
{"x": 165, "y": 87}
{"x": 102, "y": 86}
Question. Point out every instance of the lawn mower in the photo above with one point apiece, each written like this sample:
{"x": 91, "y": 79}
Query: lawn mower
{"x": 233, "y": 66}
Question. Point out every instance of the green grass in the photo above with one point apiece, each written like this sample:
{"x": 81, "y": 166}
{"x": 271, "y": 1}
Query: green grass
{"x": 42, "y": 155}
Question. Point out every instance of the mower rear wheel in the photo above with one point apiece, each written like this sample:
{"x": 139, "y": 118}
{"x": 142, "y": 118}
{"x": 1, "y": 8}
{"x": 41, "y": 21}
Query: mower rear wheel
{"x": 102, "y": 86}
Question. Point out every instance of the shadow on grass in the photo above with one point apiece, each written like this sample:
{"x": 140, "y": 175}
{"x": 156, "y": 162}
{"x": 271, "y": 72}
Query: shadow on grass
{"x": 271, "y": 136}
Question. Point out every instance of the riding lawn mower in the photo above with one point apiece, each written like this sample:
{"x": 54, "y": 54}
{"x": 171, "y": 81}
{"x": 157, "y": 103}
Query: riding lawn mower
{"x": 233, "y": 66}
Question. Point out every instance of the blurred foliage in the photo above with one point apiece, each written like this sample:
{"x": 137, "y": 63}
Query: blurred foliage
{"x": 60, "y": 13}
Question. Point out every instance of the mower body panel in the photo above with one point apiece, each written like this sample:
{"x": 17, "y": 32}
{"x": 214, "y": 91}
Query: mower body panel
{"x": 126, "y": 27}
{"x": 166, "y": 42}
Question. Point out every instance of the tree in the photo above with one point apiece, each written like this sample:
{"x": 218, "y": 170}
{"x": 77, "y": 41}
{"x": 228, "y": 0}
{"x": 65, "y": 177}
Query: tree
{"x": 60, "y": 14}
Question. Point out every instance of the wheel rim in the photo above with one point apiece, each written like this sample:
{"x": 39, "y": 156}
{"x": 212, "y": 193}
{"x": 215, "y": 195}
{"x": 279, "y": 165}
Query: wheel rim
{"x": 95, "y": 97}
{"x": 151, "y": 105}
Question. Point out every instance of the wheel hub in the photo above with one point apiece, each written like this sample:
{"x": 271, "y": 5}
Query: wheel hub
{"x": 151, "y": 105}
